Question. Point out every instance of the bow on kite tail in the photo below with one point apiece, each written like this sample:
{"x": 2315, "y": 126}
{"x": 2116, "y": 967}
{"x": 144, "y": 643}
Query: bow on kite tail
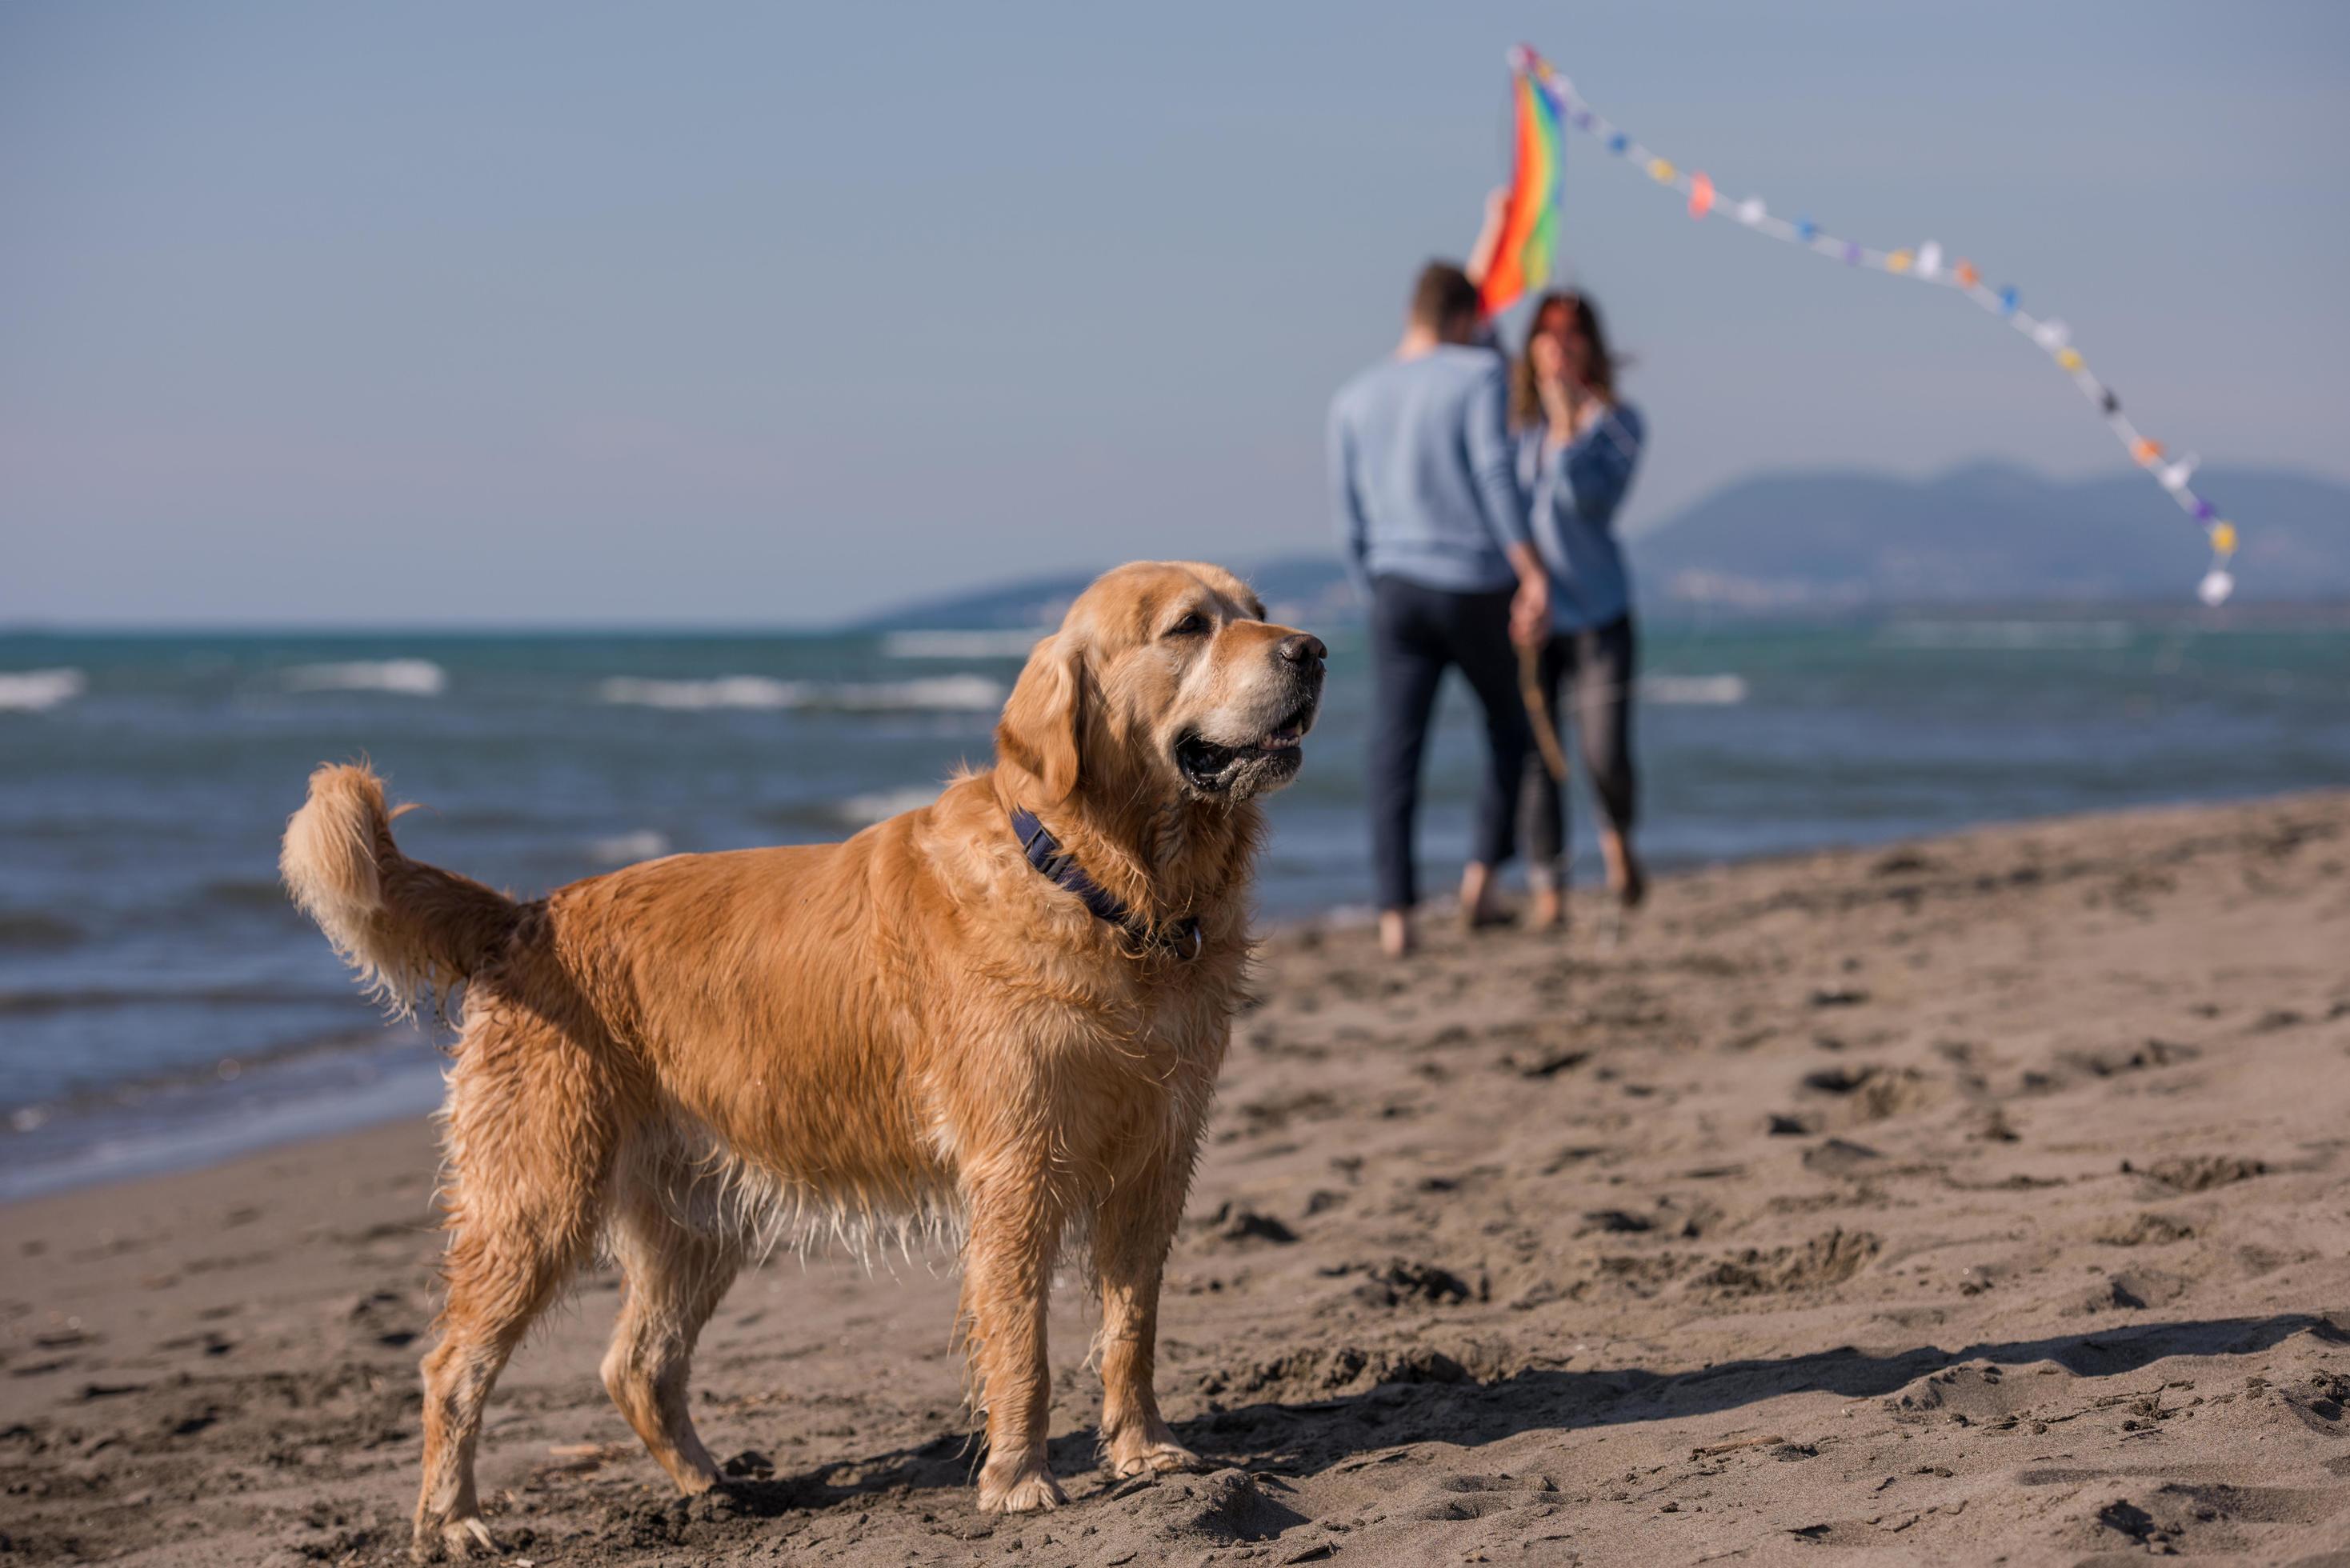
{"x": 1546, "y": 102}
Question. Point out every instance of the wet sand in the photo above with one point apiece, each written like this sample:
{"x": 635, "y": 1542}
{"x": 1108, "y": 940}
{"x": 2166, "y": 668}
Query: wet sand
{"x": 1982, "y": 1198}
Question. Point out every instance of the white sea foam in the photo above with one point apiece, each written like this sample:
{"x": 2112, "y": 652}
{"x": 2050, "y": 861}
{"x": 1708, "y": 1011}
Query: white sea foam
{"x": 628, "y": 849}
{"x": 726, "y": 691}
{"x": 1694, "y": 691}
{"x": 407, "y": 677}
{"x": 943, "y": 693}
{"x": 958, "y": 693}
{"x": 865, "y": 810}
{"x": 961, "y": 644}
{"x": 2005, "y": 635}
{"x": 39, "y": 691}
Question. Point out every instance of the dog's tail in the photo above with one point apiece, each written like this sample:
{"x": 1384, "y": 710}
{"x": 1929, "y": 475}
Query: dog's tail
{"x": 406, "y": 927}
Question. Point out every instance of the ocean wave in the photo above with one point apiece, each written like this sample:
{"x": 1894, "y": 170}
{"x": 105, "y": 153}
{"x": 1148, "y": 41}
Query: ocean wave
{"x": 628, "y": 849}
{"x": 1694, "y": 691}
{"x": 29, "y": 928}
{"x": 865, "y": 810}
{"x": 72, "y": 999}
{"x": 245, "y": 892}
{"x": 39, "y": 691}
{"x": 961, "y": 644}
{"x": 726, "y": 691}
{"x": 408, "y": 677}
{"x": 2005, "y": 635}
{"x": 943, "y": 693}
{"x": 160, "y": 1083}
{"x": 206, "y": 1111}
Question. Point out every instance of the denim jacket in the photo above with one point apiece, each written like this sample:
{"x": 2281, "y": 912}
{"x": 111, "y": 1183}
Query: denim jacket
{"x": 1576, "y": 491}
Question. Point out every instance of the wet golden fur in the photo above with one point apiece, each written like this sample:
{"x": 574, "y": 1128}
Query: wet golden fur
{"x": 685, "y": 1059}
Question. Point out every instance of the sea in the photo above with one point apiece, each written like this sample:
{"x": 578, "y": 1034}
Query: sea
{"x": 162, "y": 1006}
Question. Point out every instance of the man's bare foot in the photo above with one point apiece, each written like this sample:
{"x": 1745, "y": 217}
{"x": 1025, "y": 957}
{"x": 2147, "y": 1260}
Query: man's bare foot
{"x": 1395, "y": 933}
{"x": 1548, "y": 911}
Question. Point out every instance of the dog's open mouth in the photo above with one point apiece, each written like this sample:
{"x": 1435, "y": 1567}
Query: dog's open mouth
{"x": 1214, "y": 769}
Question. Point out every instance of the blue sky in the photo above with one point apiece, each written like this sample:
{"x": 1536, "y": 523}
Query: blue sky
{"x": 763, "y": 314}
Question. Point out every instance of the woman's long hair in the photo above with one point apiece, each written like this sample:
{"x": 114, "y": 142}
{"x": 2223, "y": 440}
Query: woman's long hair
{"x": 1599, "y": 374}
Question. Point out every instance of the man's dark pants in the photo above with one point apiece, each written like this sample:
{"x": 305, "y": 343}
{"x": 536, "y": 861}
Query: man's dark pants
{"x": 1416, "y": 634}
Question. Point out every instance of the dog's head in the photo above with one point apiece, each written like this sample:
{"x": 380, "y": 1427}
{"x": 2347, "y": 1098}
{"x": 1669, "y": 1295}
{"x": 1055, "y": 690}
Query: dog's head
{"x": 1165, "y": 682}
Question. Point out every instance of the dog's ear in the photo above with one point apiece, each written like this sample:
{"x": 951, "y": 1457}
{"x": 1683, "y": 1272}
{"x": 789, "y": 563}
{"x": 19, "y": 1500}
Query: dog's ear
{"x": 1041, "y": 723}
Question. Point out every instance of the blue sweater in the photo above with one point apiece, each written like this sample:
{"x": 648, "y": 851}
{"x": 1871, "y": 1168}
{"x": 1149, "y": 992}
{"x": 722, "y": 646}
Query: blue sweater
{"x": 1576, "y": 491}
{"x": 1422, "y": 478}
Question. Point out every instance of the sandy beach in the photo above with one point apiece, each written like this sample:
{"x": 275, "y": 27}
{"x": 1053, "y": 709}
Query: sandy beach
{"x": 1982, "y": 1198}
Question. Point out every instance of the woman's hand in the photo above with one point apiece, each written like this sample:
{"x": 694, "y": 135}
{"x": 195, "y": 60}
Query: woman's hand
{"x": 1571, "y": 407}
{"x": 1590, "y": 408}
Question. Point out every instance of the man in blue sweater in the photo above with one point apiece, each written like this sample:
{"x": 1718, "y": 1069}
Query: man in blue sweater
{"x": 1433, "y": 529}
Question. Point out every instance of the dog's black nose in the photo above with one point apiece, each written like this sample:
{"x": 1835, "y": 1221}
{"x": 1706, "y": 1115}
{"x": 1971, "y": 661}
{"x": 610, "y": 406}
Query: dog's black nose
{"x": 1302, "y": 647}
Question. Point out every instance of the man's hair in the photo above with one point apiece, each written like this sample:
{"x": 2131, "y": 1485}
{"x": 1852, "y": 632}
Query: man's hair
{"x": 1443, "y": 295}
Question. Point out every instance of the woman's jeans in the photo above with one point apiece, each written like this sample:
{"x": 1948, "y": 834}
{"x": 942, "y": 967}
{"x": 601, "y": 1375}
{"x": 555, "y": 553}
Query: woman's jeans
{"x": 1596, "y": 668}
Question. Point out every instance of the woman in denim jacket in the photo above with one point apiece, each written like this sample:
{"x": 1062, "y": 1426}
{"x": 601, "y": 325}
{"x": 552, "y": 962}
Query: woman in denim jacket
{"x": 1577, "y": 450}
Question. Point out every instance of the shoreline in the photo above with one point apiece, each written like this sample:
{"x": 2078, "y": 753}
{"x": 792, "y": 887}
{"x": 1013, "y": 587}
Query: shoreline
{"x": 404, "y": 1076}
{"x": 1959, "y": 1197}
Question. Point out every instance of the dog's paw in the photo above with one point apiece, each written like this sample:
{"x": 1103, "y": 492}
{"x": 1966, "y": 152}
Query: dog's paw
{"x": 694, "y": 1482}
{"x": 1023, "y": 1492}
{"x": 1146, "y": 1459}
{"x": 454, "y": 1539}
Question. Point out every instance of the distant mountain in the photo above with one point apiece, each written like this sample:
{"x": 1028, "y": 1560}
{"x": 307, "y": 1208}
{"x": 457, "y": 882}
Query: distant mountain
{"x": 1005, "y": 606}
{"x": 1985, "y": 533}
{"x": 1990, "y": 533}
{"x": 1297, "y": 588}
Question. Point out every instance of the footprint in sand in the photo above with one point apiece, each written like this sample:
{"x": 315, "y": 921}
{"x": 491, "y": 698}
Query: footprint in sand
{"x": 2211, "y": 1517}
{"x": 2196, "y": 1172}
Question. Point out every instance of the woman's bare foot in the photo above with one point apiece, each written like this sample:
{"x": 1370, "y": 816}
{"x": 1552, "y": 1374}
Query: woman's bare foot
{"x": 1626, "y": 879}
{"x": 1548, "y": 911}
{"x": 1395, "y": 933}
{"x": 1479, "y": 908}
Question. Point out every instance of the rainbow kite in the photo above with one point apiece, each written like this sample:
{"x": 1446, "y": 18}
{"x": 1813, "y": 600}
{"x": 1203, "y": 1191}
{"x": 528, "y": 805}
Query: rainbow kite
{"x": 1530, "y": 221}
{"x": 1547, "y": 101}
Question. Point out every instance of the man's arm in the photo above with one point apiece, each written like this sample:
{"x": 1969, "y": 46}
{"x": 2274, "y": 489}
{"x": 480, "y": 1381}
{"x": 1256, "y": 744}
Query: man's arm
{"x": 1493, "y": 460}
{"x": 1494, "y": 467}
{"x": 1489, "y": 237}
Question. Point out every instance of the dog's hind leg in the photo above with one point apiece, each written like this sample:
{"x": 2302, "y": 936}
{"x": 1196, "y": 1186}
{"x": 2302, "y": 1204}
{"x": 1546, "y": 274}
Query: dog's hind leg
{"x": 529, "y": 1148}
{"x": 676, "y": 1277}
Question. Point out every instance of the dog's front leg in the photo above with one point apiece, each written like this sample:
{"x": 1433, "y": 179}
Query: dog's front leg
{"x": 1132, "y": 1236}
{"x": 1008, "y": 1281}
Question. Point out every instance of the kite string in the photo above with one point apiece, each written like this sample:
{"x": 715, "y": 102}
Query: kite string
{"x": 1925, "y": 265}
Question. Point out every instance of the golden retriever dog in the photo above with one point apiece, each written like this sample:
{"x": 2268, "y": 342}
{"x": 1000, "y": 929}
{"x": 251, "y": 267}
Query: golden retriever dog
{"x": 1001, "y": 1015}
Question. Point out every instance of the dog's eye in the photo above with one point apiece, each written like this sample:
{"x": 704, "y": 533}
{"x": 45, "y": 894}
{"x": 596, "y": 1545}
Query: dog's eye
{"x": 1192, "y": 625}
